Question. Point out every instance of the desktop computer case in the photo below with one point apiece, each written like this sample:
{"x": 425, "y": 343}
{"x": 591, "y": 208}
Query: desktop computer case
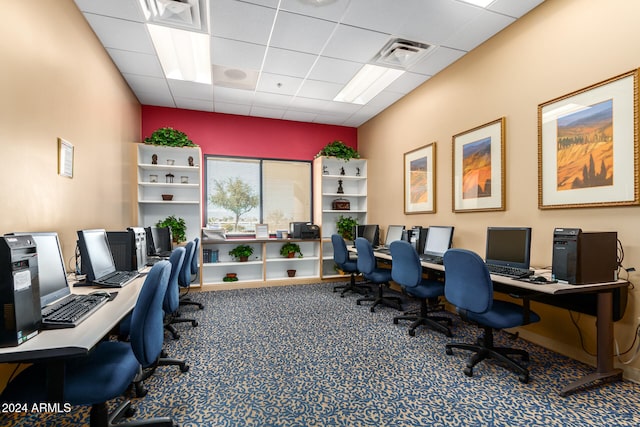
{"x": 584, "y": 257}
{"x": 19, "y": 290}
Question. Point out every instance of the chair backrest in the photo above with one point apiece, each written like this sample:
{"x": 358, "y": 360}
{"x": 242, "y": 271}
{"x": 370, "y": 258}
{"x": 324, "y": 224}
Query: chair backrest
{"x": 366, "y": 260}
{"x": 406, "y": 269}
{"x": 184, "y": 278}
{"x": 340, "y": 252}
{"x": 147, "y": 327}
{"x": 196, "y": 256}
{"x": 171, "y": 301}
{"x": 467, "y": 283}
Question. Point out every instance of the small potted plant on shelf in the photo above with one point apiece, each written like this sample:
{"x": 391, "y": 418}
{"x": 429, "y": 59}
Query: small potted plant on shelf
{"x": 340, "y": 150}
{"x": 169, "y": 137}
{"x": 177, "y": 226}
{"x": 290, "y": 250}
{"x": 345, "y": 226}
{"x": 241, "y": 252}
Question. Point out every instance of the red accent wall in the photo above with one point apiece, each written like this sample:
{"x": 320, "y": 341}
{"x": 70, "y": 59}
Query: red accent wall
{"x": 232, "y": 135}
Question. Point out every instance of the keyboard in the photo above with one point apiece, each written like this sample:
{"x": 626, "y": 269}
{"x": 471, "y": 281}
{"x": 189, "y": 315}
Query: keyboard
{"x": 117, "y": 279}
{"x": 383, "y": 250}
{"x": 513, "y": 272}
{"x": 71, "y": 311}
{"x": 433, "y": 259}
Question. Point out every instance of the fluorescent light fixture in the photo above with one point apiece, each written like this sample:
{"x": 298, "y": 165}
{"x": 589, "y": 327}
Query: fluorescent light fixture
{"x": 481, "y": 3}
{"x": 184, "y": 55}
{"x": 370, "y": 81}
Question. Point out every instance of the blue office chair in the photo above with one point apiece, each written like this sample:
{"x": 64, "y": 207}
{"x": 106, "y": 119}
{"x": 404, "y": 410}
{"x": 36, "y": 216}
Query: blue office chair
{"x": 406, "y": 271}
{"x": 171, "y": 302}
{"x": 367, "y": 265}
{"x": 348, "y": 265}
{"x": 109, "y": 369}
{"x": 469, "y": 288}
{"x": 191, "y": 261}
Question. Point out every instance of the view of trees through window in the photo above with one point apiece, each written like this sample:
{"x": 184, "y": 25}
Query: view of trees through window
{"x": 243, "y": 192}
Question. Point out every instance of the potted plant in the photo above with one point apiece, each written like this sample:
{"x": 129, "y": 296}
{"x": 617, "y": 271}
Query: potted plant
{"x": 169, "y": 137}
{"x": 290, "y": 249}
{"x": 340, "y": 150}
{"x": 241, "y": 252}
{"x": 345, "y": 226}
{"x": 177, "y": 226}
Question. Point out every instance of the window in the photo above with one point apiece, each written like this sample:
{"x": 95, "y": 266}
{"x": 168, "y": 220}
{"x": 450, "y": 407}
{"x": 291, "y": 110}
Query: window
{"x": 243, "y": 192}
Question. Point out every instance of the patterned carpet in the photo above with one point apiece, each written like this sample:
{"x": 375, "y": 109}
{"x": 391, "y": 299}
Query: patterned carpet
{"x": 303, "y": 356}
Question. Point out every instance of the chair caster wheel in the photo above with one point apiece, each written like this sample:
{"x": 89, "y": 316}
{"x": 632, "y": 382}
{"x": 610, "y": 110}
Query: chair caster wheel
{"x": 357, "y": 302}
{"x": 194, "y": 323}
{"x": 524, "y": 378}
{"x": 412, "y": 332}
{"x": 129, "y": 412}
{"x": 468, "y": 371}
{"x": 201, "y": 306}
{"x": 341, "y": 295}
{"x": 184, "y": 368}
{"x": 525, "y": 357}
{"x": 373, "y": 310}
{"x": 448, "y": 351}
{"x": 176, "y": 336}
{"x": 395, "y": 321}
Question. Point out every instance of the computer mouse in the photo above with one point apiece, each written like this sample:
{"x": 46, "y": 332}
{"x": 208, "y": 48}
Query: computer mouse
{"x": 101, "y": 294}
{"x": 540, "y": 279}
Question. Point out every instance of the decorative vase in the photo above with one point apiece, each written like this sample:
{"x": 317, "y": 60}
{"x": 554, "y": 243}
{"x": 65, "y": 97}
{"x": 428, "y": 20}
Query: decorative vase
{"x": 244, "y": 258}
{"x": 291, "y": 254}
{"x": 291, "y": 273}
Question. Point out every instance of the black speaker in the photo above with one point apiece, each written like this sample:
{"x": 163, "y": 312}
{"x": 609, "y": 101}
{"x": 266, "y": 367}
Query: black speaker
{"x": 564, "y": 265}
{"x": 19, "y": 290}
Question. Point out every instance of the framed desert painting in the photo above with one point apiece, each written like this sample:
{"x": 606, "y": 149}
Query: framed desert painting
{"x": 478, "y": 168}
{"x": 588, "y": 146}
{"x": 419, "y": 180}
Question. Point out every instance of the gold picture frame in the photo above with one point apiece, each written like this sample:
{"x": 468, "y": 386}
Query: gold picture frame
{"x": 588, "y": 146}
{"x": 479, "y": 168}
{"x": 419, "y": 180}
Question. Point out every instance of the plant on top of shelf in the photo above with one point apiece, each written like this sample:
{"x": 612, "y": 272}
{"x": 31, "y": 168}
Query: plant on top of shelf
{"x": 177, "y": 226}
{"x": 290, "y": 249}
{"x": 345, "y": 225}
{"x": 169, "y": 137}
{"x": 241, "y": 252}
{"x": 340, "y": 150}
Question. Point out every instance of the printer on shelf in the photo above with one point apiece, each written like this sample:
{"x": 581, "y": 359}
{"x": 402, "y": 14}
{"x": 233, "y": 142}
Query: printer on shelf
{"x": 303, "y": 230}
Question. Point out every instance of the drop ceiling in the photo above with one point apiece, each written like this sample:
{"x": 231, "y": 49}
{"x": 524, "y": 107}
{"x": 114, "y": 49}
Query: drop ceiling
{"x": 300, "y": 53}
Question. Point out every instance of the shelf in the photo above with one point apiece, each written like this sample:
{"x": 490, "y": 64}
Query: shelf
{"x": 344, "y": 211}
{"x": 168, "y": 185}
{"x": 231, "y": 263}
{"x": 295, "y": 259}
{"x": 177, "y": 168}
{"x": 345, "y": 194}
{"x": 345, "y": 177}
{"x": 170, "y": 202}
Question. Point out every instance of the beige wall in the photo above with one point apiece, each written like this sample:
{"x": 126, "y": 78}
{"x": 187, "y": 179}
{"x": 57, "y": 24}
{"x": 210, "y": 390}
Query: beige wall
{"x": 57, "y": 81}
{"x": 559, "y": 47}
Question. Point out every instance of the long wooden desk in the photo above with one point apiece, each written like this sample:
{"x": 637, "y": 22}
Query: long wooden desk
{"x": 605, "y": 370}
{"x": 54, "y": 346}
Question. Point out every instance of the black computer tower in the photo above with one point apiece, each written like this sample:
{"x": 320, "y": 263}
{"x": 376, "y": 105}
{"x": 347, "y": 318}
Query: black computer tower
{"x": 564, "y": 264}
{"x": 19, "y": 290}
{"x": 584, "y": 257}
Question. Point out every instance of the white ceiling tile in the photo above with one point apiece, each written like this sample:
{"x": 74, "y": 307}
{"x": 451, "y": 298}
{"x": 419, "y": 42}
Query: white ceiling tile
{"x": 238, "y": 96}
{"x": 136, "y": 63}
{"x": 190, "y": 90}
{"x": 437, "y": 60}
{"x": 380, "y": 15}
{"x": 308, "y": 104}
{"x": 385, "y": 98}
{"x": 478, "y": 30}
{"x": 288, "y": 63}
{"x": 264, "y": 99}
{"x": 148, "y": 84}
{"x": 407, "y": 82}
{"x": 194, "y": 104}
{"x": 227, "y": 108}
{"x": 275, "y": 83}
{"x": 121, "y": 34}
{"x": 236, "y": 54}
{"x": 319, "y": 90}
{"x": 271, "y": 113}
{"x": 123, "y": 9}
{"x": 512, "y": 8}
{"x": 299, "y": 116}
{"x": 331, "y": 12}
{"x": 301, "y": 33}
{"x": 355, "y": 44}
{"x": 256, "y": 21}
{"x": 334, "y": 70}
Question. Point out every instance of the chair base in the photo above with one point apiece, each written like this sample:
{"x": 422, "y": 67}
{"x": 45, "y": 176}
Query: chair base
{"x": 352, "y": 286}
{"x": 382, "y": 299}
{"x": 422, "y": 318}
{"x": 100, "y": 417}
{"x": 187, "y": 301}
{"x": 484, "y": 349}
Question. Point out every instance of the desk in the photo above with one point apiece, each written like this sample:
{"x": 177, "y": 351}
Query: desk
{"x": 605, "y": 370}
{"x": 54, "y": 346}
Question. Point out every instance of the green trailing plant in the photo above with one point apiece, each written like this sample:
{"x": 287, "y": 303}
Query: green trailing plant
{"x": 290, "y": 247}
{"x": 345, "y": 226}
{"x": 169, "y": 137}
{"x": 178, "y": 227}
{"x": 340, "y": 150}
{"x": 241, "y": 251}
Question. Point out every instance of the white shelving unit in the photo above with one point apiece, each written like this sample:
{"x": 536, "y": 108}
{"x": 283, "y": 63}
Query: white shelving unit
{"x": 264, "y": 265}
{"x": 153, "y": 182}
{"x": 329, "y": 174}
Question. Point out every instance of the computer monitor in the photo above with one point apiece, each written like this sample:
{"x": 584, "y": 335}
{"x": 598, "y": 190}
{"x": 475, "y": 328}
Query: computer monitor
{"x": 394, "y": 232}
{"x": 95, "y": 254}
{"x": 371, "y": 232}
{"x": 438, "y": 240}
{"x": 123, "y": 249}
{"x": 509, "y": 246}
{"x": 158, "y": 240}
{"x": 52, "y": 275}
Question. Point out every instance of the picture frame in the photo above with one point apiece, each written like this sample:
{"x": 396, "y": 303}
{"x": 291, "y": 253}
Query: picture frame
{"x": 262, "y": 231}
{"x": 588, "y": 146}
{"x": 65, "y": 158}
{"x": 419, "y": 180}
{"x": 479, "y": 168}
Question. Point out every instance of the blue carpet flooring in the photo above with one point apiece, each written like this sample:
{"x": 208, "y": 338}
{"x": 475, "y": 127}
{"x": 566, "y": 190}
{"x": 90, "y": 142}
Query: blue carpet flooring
{"x": 303, "y": 356}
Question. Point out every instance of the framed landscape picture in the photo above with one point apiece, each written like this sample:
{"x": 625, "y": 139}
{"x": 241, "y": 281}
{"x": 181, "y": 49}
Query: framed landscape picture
{"x": 419, "y": 180}
{"x": 588, "y": 146}
{"x": 478, "y": 168}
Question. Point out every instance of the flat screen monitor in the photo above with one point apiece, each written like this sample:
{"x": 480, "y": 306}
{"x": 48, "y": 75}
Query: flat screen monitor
{"x": 371, "y": 232}
{"x": 97, "y": 260}
{"x": 509, "y": 246}
{"x": 52, "y": 275}
{"x": 438, "y": 240}
{"x": 123, "y": 249}
{"x": 394, "y": 232}
{"x": 158, "y": 240}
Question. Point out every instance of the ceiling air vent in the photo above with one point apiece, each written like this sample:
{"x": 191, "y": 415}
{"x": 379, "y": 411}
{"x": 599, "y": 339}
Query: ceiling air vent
{"x": 401, "y": 53}
{"x": 186, "y": 14}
